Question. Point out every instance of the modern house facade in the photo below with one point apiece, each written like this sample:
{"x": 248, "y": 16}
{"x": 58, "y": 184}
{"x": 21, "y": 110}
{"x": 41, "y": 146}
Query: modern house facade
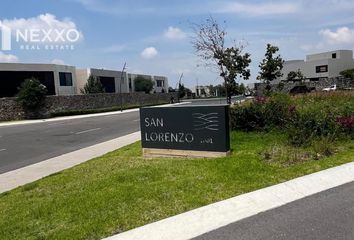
{"x": 67, "y": 80}
{"x": 111, "y": 80}
{"x": 320, "y": 66}
{"x": 59, "y": 79}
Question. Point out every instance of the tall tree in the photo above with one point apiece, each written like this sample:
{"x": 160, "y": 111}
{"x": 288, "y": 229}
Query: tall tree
{"x": 271, "y": 65}
{"x": 92, "y": 86}
{"x": 231, "y": 63}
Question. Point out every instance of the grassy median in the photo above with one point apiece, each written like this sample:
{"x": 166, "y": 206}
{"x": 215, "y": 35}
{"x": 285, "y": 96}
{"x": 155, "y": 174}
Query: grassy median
{"x": 120, "y": 190}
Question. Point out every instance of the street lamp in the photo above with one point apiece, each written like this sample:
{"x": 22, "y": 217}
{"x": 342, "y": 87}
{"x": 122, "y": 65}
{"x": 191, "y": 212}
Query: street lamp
{"x": 120, "y": 87}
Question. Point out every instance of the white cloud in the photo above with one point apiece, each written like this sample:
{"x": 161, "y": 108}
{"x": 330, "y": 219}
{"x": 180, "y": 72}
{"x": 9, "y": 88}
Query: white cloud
{"x": 58, "y": 61}
{"x": 149, "y": 53}
{"x": 174, "y": 33}
{"x": 44, "y": 22}
{"x": 259, "y": 9}
{"x": 8, "y": 58}
{"x": 341, "y": 35}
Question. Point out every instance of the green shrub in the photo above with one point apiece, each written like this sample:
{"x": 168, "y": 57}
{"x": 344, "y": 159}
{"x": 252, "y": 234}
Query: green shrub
{"x": 304, "y": 118}
{"x": 31, "y": 94}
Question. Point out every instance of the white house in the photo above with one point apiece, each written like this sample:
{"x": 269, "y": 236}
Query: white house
{"x": 59, "y": 79}
{"x": 67, "y": 80}
{"x": 111, "y": 80}
{"x": 321, "y": 65}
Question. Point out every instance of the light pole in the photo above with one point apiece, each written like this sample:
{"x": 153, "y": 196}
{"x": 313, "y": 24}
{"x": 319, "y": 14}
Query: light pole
{"x": 120, "y": 87}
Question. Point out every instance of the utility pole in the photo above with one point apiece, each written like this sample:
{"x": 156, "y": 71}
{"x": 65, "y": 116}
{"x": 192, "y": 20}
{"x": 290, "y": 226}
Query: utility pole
{"x": 179, "y": 84}
{"x": 120, "y": 87}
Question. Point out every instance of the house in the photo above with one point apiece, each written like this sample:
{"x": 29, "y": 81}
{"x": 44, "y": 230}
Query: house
{"x": 59, "y": 79}
{"x": 202, "y": 91}
{"x": 111, "y": 80}
{"x": 320, "y": 66}
{"x": 67, "y": 80}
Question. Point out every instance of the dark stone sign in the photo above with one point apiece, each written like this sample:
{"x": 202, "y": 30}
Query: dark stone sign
{"x": 196, "y": 128}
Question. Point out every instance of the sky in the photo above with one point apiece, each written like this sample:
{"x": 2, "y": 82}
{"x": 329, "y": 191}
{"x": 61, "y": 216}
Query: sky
{"x": 154, "y": 36}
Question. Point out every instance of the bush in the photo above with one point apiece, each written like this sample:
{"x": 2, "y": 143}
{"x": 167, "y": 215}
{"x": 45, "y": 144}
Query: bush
{"x": 262, "y": 114}
{"x": 304, "y": 118}
{"x": 143, "y": 84}
{"x": 31, "y": 94}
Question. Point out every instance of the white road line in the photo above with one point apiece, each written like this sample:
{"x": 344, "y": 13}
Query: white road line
{"x": 86, "y": 131}
{"x": 53, "y": 124}
{"x": 136, "y": 120}
{"x": 1, "y": 150}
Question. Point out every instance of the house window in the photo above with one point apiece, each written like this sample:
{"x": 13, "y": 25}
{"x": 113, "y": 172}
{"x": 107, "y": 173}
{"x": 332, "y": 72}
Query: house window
{"x": 322, "y": 69}
{"x": 159, "y": 83}
{"x": 66, "y": 79}
{"x": 334, "y": 55}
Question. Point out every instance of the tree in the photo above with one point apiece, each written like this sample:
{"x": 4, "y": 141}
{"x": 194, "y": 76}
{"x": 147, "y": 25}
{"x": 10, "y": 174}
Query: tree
{"x": 31, "y": 94}
{"x": 181, "y": 90}
{"x": 143, "y": 84}
{"x": 271, "y": 66}
{"x": 296, "y": 76}
{"x": 92, "y": 86}
{"x": 231, "y": 63}
{"x": 349, "y": 73}
{"x": 170, "y": 89}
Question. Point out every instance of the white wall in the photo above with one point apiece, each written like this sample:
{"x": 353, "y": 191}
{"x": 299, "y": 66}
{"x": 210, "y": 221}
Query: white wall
{"x": 59, "y": 90}
{"x": 344, "y": 60}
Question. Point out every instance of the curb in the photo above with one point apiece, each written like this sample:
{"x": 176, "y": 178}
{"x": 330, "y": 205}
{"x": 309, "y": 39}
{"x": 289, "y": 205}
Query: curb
{"x": 208, "y": 218}
{"x": 22, "y": 176}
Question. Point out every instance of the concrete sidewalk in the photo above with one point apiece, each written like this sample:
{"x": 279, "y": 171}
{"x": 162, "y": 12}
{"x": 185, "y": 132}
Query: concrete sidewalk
{"x": 22, "y": 176}
{"x": 205, "y": 219}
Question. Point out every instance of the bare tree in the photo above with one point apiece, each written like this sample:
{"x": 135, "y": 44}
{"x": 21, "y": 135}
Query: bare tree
{"x": 231, "y": 63}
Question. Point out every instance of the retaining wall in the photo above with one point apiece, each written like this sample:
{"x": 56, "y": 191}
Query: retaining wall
{"x": 11, "y": 110}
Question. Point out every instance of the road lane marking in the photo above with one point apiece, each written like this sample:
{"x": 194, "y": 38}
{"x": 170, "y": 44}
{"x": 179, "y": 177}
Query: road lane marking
{"x": 136, "y": 120}
{"x": 1, "y": 150}
{"x": 53, "y": 124}
{"x": 86, "y": 131}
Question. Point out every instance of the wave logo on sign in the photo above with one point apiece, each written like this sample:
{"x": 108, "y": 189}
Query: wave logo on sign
{"x": 209, "y": 121}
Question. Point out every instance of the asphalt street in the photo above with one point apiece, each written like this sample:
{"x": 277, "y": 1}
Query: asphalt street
{"x": 326, "y": 215}
{"x": 22, "y": 145}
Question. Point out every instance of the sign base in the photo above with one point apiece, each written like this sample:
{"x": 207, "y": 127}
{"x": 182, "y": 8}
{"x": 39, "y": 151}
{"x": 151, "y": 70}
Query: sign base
{"x": 173, "y": 153}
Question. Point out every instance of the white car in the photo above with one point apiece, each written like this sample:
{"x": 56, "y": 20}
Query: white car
{"x": 331, "y": 88}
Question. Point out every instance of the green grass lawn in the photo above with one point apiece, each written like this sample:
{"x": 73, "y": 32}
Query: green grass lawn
{"x": 121, "y": 190}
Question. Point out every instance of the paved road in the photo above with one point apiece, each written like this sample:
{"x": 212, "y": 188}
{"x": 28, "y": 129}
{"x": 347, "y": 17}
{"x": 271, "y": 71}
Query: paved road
{"x": 327, "y": 215}
{"x": 24, "y": 145}
{"x": 212, "y": 100}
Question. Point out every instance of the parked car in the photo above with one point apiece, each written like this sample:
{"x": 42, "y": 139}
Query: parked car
{"x": 331, "y": 88}
{"x": 301, "y": 89}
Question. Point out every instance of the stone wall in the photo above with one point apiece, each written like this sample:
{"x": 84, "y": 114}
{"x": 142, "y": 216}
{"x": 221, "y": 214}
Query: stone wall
{"x": 11, "y": 110}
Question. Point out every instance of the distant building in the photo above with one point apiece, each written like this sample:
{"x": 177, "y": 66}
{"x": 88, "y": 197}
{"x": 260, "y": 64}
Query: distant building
{"x": 160, "y": 82}
{"x": 59, "y": 79}
{"x": 67, "y": 80}
{"x": 320, "y": 66}
{"x": 202, "y": 91}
